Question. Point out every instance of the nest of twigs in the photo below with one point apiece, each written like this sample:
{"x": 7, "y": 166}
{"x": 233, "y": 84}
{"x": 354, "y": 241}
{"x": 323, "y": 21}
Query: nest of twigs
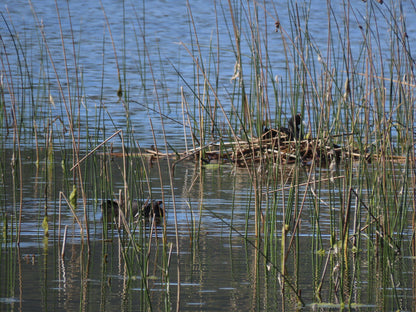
{"x": 273, "y": 147}
{"x": 277, "y": 148}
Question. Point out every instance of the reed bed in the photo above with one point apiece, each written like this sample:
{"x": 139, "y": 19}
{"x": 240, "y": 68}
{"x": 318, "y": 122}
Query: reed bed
{"x": 351, "y": 179}
{"x": 352, "y": 93}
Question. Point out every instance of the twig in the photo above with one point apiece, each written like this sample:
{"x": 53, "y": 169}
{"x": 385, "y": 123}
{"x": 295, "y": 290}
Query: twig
{"x": 73, "y": 213}
{"x": 193, "y": 152}
{"x": 301, "y": 184}
{"x": 64, "y": 242}
{"x": 99, "y": 145}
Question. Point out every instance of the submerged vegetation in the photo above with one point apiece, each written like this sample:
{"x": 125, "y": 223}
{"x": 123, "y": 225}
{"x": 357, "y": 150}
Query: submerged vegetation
{"x": 339, "y": 196}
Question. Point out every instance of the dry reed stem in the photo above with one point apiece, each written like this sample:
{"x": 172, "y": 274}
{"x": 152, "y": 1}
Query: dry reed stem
{"x": 96, "y": 148}
{"x": 62, "y": 195}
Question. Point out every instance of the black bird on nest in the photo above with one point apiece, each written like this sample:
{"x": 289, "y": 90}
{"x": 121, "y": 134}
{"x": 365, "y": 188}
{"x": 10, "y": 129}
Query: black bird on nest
{"x": 292, "y": 132}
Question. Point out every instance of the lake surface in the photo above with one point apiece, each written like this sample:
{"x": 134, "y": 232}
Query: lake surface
{"x": 208, "y": 256}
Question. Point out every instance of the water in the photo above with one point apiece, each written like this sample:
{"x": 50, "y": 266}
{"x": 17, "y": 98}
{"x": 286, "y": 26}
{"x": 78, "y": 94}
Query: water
{"x": 221, "y": 265}
{"x": 148, "y": 67}
{"x": 219, "y": 268}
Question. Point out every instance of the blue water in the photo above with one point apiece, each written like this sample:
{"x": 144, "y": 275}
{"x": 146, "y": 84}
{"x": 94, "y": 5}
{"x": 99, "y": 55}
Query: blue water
{"x": 156, "y": 50}
{"x": 153, "y": 41}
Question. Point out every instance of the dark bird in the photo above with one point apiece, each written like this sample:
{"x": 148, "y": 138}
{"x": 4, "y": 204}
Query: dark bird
{"x": 292, "y": 132}
{"x": 110, "y": 209}
{"x": 152, "y": 208}
{"x": 149, "y": 209}
{"x": 294, "y": 129}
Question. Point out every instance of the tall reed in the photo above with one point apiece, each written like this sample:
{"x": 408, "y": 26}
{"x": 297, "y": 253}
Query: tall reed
{"x": 354, "y": 86}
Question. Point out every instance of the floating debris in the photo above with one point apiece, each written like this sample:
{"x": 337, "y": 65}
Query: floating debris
{"x": 281, "y": 145}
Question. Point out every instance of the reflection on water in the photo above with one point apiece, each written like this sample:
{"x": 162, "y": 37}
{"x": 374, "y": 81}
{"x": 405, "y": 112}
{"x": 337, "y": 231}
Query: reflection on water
{"x": 220, "y": 263}
{"x": 212, "y": 259}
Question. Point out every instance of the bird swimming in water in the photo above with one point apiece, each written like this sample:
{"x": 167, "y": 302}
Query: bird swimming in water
{"x": 149, "y": 209}
{"x": 292, "y": 132}
{"x": 152, "y": 208}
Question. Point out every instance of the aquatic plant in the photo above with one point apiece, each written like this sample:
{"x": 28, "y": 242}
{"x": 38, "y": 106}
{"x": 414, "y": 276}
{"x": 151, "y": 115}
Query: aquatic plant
{"x": 347, "y": 184}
